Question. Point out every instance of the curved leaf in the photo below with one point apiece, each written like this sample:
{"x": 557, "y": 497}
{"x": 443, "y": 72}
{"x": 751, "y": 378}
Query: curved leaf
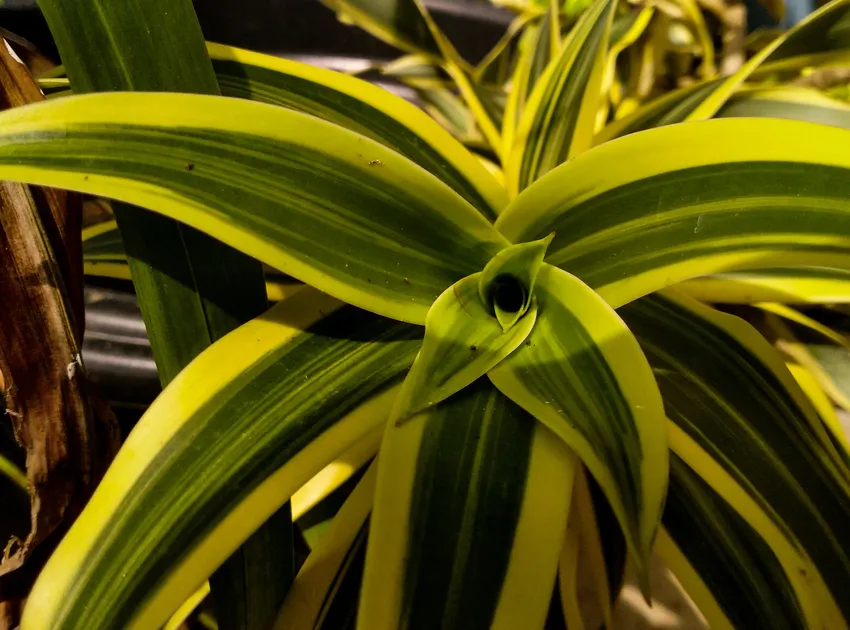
{"x": 818, "y": 32}
{"x": 583, "y": 375}
{"x": 801, "y": 285}
{"x": 748, "y": 193}
{"x": 514, "y": 268}
{"x": 335, "y": 474}
{"x": 625, "y": 31}
{"x": 789, "y": 103}
{"x": 249, "y": 422}
{"x": 462, "y": 342}
{"x": 361, "y": 107}
{"x": 318, "y": 582}
{"x": 323, "y": 204}
{"x": 725, "y": 566}
{"x": 457, "y": 539}
{"x": 400, "y": 23}
{"x": 664, "y": 110}
{"x": 808, "y": 36}
{"x": 532, "y": 59}
{"x": 729, "y": 394}
{"x": 558, "y": 120}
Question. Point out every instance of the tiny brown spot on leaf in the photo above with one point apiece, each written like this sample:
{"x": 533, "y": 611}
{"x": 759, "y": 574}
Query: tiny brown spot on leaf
{"x": 189, "y": 166}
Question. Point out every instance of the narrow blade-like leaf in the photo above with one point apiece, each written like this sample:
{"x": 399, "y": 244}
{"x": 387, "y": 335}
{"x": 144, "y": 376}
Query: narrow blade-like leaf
{"x": 362, "y": 107}
{"x": 230, "y": 440}
{"x": 456, "y": 538}
{"x": 321, "y": 203}
{"x": 558, "y": 120}
{"x": 726, "y": 390}
{"x": 582, "y": 374}
{"x": 748, "y": 193}
{"x": 726, "y": 567}
{"x": 318, "y": 582}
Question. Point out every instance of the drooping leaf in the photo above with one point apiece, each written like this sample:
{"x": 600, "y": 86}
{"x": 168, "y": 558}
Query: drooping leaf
{"x": 463, "y": 340}
{"x": 748, "y": 193}
{"x": 456, "y": 537}
{"x": 400, "y": 23}
{"x": 362, "y": 107}
{"x": 583, "y": 375}
{"x": 810, "y": 35}
{"x": 319, "y": 581}
{"x": 231, "y": 439}
{"x": 789, "y": 103}
{"x": 725, "y": 566}
{"x": 316, "y": 201}
{"x": 558, "y": 120}
{"x": 741, "y": 416}
{"x": 799, "y": 285}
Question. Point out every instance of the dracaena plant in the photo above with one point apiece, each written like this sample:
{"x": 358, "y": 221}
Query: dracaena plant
{"x": 499, "y": 353}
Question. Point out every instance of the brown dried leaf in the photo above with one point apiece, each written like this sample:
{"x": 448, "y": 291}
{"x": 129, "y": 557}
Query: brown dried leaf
{"x": 69, "y": 434}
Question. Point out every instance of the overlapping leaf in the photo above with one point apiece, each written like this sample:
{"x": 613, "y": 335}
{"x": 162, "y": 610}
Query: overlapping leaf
{"x": 558, "y": 119}
{"x": 307, "y": 197}
{"x": 748, "y": 193}
{"x": 726, "y": 567}
{"x": 359, "y": 106}
{"x": 582, "y": 374}
{"x": 751, "y": 434}
{"x": 456, "y": 535}
{"x": 229, "y": 441}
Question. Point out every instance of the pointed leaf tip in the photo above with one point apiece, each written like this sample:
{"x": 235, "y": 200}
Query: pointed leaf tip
{"x": 507, "y": 283}
{"x": 463, "y": 341}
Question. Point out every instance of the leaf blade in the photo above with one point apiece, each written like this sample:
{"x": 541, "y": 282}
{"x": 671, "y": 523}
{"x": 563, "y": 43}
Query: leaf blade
{"x": 712, "y": 219}
{"x": 282, "y": 439}
{"x": 361, "y": 107}
{"x": 225, "y": 153}
{"x": 456, "y": 571}
{"x": 558, "y": 120}
{"x": 582, "y": 374}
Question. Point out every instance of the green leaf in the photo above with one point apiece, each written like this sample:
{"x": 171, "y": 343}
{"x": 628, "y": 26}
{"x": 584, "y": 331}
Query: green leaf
{"x": 789, "y": 103}
{"x": 664, "y": 110}
{"x": 160, "y": 48}
{"x": 748, "y": 193}
{"x": 506, "y": 286}
{"x": 558, "y": 120}
{"x": 800, "y": 285}
{"x": 729, "y": 394}
{"x": 583, "y": 375}
{"x": 10, "y": 471}
{"x": 808, "y": 36}
{"x": 316, "y": 201}
{"x": 325, "y": 578}
{"x": 817, "y": 33}
{"x": 725, "y": 566}
{"x": 456, "y": 537}
{"x": 463, "y": 340}
{"x": 532, "y": 59}
{"x": 399, "y": 23}
{"x": 248, "y": 423}
{"x": 359, "y": 106}
{"x": 102, "y": 242}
